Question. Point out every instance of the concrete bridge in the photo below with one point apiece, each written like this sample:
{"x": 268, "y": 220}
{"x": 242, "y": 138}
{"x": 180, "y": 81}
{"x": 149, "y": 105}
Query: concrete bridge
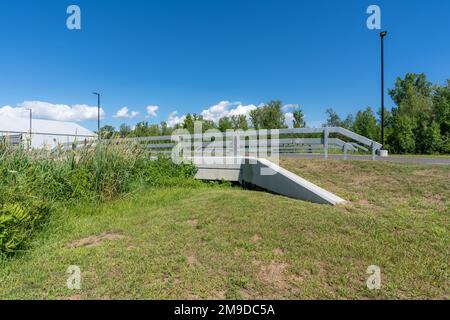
{"x": 264, "y": 174}
{"x": 242, "y": 156}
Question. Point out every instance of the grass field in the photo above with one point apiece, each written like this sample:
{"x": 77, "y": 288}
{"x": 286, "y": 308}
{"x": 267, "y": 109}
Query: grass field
{"x": 213, "y": 242}
{"x": 444, "y": 156}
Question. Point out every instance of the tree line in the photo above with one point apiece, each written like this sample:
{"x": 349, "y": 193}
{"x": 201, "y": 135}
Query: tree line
{"x": 269, "y": 116}
{"x": 418, "y": 123}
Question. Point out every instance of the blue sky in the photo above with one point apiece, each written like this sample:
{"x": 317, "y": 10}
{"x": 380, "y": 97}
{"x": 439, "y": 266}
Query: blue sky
{"x": 187, "y": 56}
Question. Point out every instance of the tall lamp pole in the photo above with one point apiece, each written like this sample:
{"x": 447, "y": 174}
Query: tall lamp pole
{"x": 31, "y": 122}
{"x": 98, "y": 114}
{"x": 382, "y": 35}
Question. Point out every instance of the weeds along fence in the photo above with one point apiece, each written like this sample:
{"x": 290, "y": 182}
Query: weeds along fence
{"x": 234, "y": 143}
{"x": 88, "y": 171}
{"x": 256, "y": 143}
{"x": 35, "y": 181}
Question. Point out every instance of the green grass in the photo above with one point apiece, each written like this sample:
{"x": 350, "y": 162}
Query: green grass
{"x": 420, "y": 155}
{"x": 33, "y": 183}
{"x": 222, "y": 242}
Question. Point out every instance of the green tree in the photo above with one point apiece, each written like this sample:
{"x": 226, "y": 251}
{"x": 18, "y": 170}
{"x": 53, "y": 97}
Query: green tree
{"x": 412, "y": 83}
{"x": 366, "y": 124}
{"x": 269, "y": 116}
{"x": 348, "y": 122}
{"x": 141, "y": 129}
{"x": 165, "y": 130}
{"x": 225, "y": 124}
{"x": 190, "y": 120}
{"x": 299, "y": 121}
{"x": 124, "y": 130}
{"x": 107, "y": 132}
{"x": 420, "y": 108}
{"x": 401, "y": 139}
{"x": 239, "y": 122}
{"x": 441, "y": 109}
{"x": 428, "y": 138}
{"x": 208, "y": 124}
{"x": 333, "y": 119}
{"x": 153, "y": 130}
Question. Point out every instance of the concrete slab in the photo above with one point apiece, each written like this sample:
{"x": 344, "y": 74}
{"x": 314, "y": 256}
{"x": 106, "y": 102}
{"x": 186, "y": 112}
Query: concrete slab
{"x": 218, "y": 174}
{"x": 263, "y": 174}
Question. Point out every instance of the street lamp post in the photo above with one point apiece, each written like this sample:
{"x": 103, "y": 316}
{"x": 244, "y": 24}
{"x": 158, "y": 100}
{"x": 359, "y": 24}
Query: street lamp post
{"x": 383, "y": 151}
{"x": 31, "y": 123}
{"x": 98, "y": 114}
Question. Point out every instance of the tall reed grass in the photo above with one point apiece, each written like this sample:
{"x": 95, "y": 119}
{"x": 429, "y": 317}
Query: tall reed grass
{"x": 32, "y": 182}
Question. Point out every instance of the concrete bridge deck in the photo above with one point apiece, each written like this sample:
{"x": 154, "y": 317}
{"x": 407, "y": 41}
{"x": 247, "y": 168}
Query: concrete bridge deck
{"x": 263, "y": 174}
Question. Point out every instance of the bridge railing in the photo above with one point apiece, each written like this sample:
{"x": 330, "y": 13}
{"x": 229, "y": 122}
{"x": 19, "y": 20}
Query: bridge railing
{"x": 43, "y": 140}
{"x": 256, "y": 142}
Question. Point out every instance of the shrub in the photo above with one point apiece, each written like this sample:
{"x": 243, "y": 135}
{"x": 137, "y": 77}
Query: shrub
{"x": 164, "y": 172}
{"x": 401, "y": 139}
{"x": 18, "y": 222}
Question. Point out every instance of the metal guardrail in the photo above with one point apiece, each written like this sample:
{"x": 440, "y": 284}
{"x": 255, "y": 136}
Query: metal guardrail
{"x": 2, "y": 132}
{"x": 283, "y": 141}
{"x": 41, "y": 140}
{"x": 287, "y": 142}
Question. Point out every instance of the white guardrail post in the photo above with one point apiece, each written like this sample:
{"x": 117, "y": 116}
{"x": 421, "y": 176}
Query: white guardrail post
{"x": 326, "y": 133}
{"x": 374, "y": 150}
{"x": 236, "y": 144}
{"x": 346, "y": 147}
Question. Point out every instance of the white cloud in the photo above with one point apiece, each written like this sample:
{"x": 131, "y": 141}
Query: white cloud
{"x": 50, "y": 111}
{"x": 227, "y": 109}
{"x": 243, "y": 110}
{"x": 289, "y": 119}
{"x": 152, "y": 111}
{"x": 174, "y": 119}
{"x": 289, "y": 107}
{"x": 216, "y": 111}
{"x": 125, "y": 113}
{"x": 15, "y": 112}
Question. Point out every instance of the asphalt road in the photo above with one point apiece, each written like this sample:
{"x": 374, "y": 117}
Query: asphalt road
{"x": 424, "y": 160}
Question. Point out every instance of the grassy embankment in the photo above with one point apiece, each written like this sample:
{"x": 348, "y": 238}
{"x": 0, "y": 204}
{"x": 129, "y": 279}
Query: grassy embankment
{"x": 206, "y": 242}
{"x": 33, "y": 185}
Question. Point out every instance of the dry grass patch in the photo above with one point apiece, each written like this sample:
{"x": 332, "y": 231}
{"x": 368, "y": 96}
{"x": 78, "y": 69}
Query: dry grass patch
{"x": 273, "y": 273}
{"x": 193, "y": 223}
{"x": 256, "y": 238}
{"x": 278, "y": 251}
{"x": 93, "y": 241}
{"x": 192, "y": 260}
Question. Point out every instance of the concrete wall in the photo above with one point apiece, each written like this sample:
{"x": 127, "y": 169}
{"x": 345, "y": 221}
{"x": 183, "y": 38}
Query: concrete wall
{"x": 263, "y": 174}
